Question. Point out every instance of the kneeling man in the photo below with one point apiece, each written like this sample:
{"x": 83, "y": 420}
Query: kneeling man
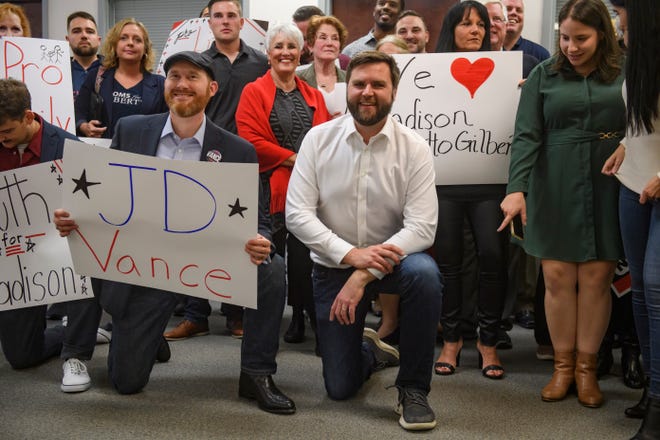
{"x": 140, "y": 314}
{"x": 362, "y": 198}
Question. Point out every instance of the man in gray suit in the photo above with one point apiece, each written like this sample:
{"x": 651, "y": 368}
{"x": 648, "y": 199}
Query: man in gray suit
{"x": 140, "y": 314}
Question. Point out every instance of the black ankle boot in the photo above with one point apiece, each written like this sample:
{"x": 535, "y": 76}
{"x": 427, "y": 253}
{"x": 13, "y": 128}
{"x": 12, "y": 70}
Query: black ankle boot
{"x": 631, "y": 365}
{"x": 650, "y": 429}
{"x": 295, "y": 334}
{"x": 638, "y": 411}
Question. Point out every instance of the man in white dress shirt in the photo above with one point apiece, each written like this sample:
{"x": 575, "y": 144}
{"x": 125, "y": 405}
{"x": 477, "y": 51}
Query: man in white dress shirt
{"x": 362, "y": 198}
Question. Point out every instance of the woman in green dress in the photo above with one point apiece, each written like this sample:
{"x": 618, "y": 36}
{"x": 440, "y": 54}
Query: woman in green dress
{"x": 570, "y": 119}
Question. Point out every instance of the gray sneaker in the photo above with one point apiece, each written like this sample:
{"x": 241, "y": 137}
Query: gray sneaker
{"x": 385, "y": 355}
{"x": 414, "y": 409}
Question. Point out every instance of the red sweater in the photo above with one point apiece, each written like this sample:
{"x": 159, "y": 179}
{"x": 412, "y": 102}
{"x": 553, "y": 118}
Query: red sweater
{"x": 252, "y": 123}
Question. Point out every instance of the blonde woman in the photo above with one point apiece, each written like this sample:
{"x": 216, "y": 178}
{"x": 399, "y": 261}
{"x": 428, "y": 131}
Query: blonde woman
{"x": 123, "y": 83}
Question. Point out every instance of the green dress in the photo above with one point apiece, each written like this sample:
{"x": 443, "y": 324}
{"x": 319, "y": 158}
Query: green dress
{"x": 565, "y": 130}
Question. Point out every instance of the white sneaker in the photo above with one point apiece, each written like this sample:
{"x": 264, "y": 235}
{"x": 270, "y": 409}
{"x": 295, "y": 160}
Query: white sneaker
{"x": 103, "y": 336}
{"x": 75, "y": 379}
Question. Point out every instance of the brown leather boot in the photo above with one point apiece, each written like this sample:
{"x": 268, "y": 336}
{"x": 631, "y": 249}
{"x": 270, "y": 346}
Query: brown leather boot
{"x": 562, "y": 378}
{"x": 586, "y": 381}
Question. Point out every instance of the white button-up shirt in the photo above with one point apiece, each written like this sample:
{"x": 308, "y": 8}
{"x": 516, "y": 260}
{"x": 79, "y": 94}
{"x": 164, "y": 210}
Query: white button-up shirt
{"x": 344, "y": 193}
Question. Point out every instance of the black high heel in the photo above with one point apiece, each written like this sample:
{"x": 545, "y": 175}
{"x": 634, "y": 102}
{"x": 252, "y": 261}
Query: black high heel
{"x": 451, "y": 369}
{"x": 485, "y": 370}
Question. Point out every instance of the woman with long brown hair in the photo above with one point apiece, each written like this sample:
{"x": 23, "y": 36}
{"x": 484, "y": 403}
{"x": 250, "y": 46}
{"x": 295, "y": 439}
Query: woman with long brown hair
{"x": 570, "y": 120}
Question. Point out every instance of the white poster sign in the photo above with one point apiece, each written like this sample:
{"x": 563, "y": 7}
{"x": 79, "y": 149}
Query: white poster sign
{"x": 174, "y": 225}
{"x": 45, "y": 67}
{"x": 464, "y": 105}
{"x": 36, "y": 266}
{"x": 195, "y": 34}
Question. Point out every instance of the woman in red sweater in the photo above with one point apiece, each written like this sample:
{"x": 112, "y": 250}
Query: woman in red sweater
{"x": 274, "y": 114}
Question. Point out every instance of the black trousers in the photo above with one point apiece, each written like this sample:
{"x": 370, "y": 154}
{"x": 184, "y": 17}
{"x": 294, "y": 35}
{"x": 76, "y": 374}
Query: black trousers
{"x": 484, "y": 216}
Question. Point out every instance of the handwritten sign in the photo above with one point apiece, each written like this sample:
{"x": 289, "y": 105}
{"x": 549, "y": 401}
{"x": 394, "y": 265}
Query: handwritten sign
{"x": 464, "y": 105}
{"x": 45, "y": 68}
{"x": 36, "y": 265}
{"x": 174, "y": 225}
{"x": 195, "y": 34}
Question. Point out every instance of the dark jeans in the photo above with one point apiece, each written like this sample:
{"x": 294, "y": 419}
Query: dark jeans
{"x": 640, "y": 230}
{"x": 484, "y": 217}
{"x": 347, "y": 363}
{"x": 198, "y": 310}
{"x": 26, "y": 341}
{"x": 261, "y": 327}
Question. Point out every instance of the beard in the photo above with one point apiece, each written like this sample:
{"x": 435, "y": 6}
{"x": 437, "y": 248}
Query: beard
{"x": 85, "y": 51}
{"x": 366, "y": 118}
{"x": 186, "y": 110}
{"x": 386, "y": 26}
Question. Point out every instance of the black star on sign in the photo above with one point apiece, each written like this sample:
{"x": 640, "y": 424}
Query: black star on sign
{"x": 236, "y": 208}
{"x": 82, "y": 183}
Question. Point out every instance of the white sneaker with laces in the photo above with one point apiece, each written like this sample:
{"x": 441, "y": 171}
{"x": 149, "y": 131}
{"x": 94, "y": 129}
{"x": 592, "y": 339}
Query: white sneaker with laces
{"x": 75, "y": 379}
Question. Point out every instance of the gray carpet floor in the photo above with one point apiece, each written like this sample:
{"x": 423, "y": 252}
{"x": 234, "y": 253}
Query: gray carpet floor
{"x": 195, "y": 396}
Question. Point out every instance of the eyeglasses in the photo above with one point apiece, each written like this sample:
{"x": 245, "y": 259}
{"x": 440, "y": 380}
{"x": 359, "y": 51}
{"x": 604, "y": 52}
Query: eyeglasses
{"x": 498, "y": 20}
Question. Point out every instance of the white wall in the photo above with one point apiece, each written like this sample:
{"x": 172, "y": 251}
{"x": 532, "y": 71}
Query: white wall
{"x": 279, "y": 10}
{"x": 59, "y": 10}
{"x": 533, "y": 20}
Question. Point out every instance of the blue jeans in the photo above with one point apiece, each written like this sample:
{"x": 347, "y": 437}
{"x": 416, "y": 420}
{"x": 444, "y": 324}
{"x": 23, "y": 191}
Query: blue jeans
{"x": 640, "y": 230}
{"x": 347, "y": 363}
{"x": 197, "y": 310}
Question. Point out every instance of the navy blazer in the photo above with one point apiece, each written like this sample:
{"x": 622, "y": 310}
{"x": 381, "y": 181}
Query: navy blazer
{"x": 153, "y": 98}
{"x": 52, "y": 141}
{"x": 141, "y": 134}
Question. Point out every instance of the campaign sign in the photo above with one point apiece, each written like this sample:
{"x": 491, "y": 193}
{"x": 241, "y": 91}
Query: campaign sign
{"x": 464, "y": 105}
{"x": 173, "y": 225}
{"x": 45, "y": 68}
{"x": 36, "y": 266}
{"x": 195, "y": 34}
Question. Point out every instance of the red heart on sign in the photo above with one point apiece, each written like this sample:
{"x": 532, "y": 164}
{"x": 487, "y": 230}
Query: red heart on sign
{"x": 472, "y": 75}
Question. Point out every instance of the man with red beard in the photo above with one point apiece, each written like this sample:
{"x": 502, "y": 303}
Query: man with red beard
{"x": 385, "y": 15}
{"x": 362, "y": 198}
{"x": 140, "y": 314}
